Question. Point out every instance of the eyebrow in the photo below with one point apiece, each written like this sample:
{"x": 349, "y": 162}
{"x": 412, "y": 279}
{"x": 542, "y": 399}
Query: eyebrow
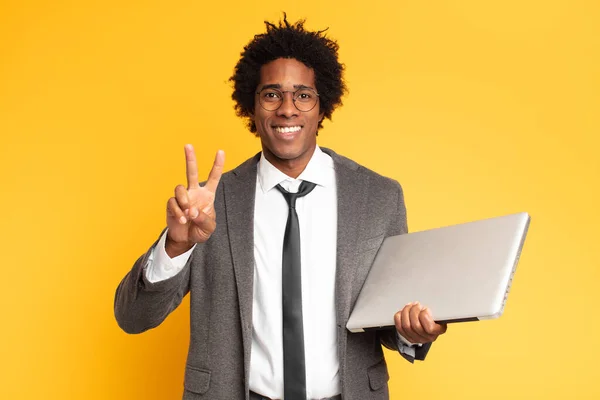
{"x": 278, "y": 86}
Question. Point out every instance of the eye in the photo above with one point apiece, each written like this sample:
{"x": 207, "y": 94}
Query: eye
{"x": 270, "y": 95}
{"x": 305, "y": 95}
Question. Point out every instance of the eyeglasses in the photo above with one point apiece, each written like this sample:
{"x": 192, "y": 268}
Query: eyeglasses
{"x": 305, "y": 99}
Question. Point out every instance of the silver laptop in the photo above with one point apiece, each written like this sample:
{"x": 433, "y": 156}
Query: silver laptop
{"x": 461, "y": 272}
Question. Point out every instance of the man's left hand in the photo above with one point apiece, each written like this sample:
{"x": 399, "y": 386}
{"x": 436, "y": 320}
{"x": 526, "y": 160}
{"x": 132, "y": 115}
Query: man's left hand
{"x": 415, "y": 323}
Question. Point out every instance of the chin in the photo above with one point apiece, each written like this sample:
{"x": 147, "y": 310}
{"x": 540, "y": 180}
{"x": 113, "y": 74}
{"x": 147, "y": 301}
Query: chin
{"x": 291, "y": 154}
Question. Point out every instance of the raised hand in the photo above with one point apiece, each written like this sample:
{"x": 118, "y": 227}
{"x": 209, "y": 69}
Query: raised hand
{"x": 191, "y": 214}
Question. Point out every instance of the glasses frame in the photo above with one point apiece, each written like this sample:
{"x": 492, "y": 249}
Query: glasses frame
{"x": 293, "y": 92}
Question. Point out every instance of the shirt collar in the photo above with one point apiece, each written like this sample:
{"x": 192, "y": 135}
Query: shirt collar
{"x": 319, "y": 170}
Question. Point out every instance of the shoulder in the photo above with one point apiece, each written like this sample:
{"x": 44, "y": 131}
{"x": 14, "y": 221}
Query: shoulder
{"x": 240, "y": 179}
{"x": 242, "y": 173}
{"x": 361, "y": 172}
{"x": 248, "y": 167}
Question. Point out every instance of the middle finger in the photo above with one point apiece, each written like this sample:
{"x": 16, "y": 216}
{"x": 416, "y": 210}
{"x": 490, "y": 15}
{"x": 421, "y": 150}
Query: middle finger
{"x": 415, "y": 324}
{"x": 405, "y": 323}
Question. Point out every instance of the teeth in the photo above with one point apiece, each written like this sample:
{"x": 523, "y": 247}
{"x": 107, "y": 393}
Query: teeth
{"x": 287, "y": 129}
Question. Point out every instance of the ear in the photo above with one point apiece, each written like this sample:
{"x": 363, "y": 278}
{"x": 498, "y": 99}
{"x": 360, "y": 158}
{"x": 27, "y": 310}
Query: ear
{"x": 321, "y": 116}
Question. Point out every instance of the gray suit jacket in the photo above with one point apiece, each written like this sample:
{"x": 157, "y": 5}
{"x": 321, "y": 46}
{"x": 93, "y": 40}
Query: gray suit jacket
{"x": 219, "y": 277}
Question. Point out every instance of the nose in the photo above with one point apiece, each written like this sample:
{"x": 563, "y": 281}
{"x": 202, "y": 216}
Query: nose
{"x": 287, "y": 108}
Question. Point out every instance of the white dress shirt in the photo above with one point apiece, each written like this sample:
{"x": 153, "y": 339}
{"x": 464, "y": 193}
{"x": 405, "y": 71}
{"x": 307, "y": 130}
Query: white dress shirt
{"x": 317, "y": 216}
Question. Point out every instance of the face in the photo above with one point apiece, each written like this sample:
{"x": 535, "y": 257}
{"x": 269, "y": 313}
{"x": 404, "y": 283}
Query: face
{"x": 288, "y": 136}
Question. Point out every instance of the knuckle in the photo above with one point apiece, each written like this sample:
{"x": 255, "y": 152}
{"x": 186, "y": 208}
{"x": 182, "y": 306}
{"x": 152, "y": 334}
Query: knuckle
{"x": 181, "y": 201}
{"x": 398, "y": 317}
{"x": 429, "y": 328}
{"x": 405, "y": 324}
{"x": 417, "y": 327}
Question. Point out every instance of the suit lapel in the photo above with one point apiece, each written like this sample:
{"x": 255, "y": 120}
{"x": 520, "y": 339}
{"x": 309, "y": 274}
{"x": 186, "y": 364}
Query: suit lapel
{"x": 352, "y": 190}
{"x": 239, "y": 190}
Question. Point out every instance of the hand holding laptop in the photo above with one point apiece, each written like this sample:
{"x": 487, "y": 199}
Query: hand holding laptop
{"x": 415, "y": 324}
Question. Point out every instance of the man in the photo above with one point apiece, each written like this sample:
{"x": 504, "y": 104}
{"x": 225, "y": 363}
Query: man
{"x": 274, "y": 252}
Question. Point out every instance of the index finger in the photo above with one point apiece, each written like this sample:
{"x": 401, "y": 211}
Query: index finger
{"x": 191, "y": 168}
{"x": 431, "y": 327}
{"x": 215, "y": 173}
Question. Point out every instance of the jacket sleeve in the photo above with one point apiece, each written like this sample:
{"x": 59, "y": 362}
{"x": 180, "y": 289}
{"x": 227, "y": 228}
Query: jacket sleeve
{"x": 140, "y": 304}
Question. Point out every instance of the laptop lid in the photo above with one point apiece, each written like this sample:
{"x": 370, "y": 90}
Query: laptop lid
{"x": 461, "y": 272}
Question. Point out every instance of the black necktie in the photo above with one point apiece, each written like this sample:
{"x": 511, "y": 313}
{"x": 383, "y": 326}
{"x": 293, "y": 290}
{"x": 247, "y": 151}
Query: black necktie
{"x": 294, "y": 368}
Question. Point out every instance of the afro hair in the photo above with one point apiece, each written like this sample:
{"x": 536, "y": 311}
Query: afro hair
{"x": 286, "y": 40}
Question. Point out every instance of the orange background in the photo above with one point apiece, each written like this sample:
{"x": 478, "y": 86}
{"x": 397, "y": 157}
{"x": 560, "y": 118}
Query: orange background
{"x": 478, "y": 108}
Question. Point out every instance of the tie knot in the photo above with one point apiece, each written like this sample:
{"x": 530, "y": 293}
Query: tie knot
{"x": 305, "y": 188}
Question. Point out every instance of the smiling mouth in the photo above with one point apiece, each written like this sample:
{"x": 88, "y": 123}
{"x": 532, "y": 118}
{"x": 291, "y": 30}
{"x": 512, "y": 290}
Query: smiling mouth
{"x": 287, "y": 129}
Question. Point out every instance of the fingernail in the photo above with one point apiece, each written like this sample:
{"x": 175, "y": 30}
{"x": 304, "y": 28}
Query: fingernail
{"x": 182, "y": 220}
{"x": 194, "y": 212}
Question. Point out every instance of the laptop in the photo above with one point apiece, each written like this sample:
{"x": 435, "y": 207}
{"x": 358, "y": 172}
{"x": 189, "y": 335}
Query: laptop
{"x": 461, "y": 273}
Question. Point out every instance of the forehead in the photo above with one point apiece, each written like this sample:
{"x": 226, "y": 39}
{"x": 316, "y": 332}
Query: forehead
{"x": 288, "y": 73}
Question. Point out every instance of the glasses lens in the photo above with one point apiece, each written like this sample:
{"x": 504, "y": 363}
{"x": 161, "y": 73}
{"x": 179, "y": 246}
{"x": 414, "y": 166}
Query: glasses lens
{"x": 305, "y": 99}
{"x": 270, "y": 99}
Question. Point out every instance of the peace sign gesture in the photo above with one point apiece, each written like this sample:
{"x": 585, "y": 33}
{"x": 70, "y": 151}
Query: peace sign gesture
{"x": 191, "y": 214}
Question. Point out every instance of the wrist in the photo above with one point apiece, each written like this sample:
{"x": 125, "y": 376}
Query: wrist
{"x": 174, "y": 249}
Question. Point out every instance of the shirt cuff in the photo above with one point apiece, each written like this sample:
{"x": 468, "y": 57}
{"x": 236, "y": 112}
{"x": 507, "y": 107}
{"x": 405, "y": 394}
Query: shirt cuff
{"x": 403, "y": 341}
{"x": 160, "y": 266}
{"x": 406, "y": 348}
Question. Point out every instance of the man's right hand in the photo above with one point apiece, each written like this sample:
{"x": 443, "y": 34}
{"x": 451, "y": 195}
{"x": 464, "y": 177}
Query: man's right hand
{"x": 191, "y": 214}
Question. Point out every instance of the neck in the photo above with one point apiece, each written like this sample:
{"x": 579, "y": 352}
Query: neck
{"x": 291, "y": 167}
